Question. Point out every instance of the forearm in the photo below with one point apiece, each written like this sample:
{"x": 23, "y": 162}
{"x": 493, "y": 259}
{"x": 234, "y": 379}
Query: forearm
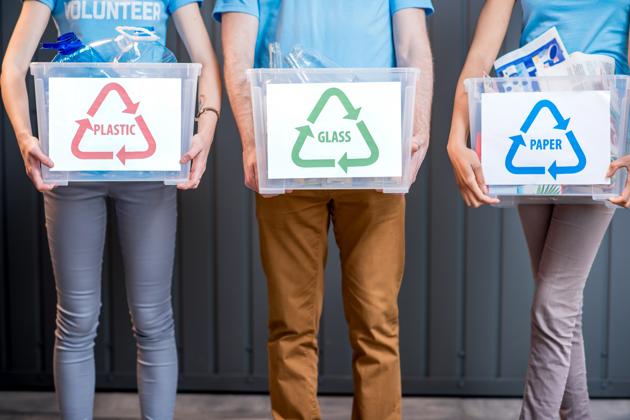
{"x": 15, "y": 98}
{"x": 239, "y": 94}
{"x": 209, "y": 96}
{"x": 192, "y": 30}
{"x": 239, "y": 32}
{"x": 421, "y": 58}
{"x": 491, "y": 29}
{"x": 413, "y": 50}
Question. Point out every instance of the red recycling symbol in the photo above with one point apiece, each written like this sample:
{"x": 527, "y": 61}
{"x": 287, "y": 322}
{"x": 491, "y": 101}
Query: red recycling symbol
{"x": 131, "y": 108}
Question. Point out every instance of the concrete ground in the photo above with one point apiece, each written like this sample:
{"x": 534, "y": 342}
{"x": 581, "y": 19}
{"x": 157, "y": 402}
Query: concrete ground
{"x": 42, "y": 406}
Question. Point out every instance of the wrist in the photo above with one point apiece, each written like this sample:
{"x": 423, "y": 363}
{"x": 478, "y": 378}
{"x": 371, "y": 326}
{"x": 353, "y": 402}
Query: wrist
{"x": 207, "y": 113}
{"x": 23, "y": 137}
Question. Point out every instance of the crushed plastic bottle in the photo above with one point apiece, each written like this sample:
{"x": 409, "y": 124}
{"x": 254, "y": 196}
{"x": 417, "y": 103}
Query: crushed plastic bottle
{"x": 134, "y": 45}
{"x": 300, "y": 58}
{"x": 306, "y": 58}
{"x": 71, "y": 49}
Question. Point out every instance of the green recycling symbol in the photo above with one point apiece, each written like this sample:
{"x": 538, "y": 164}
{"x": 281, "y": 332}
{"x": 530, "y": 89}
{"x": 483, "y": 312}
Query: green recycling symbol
{"x": 345, "y": 162}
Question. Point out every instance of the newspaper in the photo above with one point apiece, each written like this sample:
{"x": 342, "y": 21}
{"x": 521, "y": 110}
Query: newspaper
{"x": 545, "y": 51}
{"x": 580, "y": 64}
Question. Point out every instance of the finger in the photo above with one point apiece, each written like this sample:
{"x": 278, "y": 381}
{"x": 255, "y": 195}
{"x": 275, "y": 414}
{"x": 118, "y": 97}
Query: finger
{"x": 624, "y": 198}
{"x": 472, "y": 201}
{"x": 481, "y": 181}
{"x": 254, "y": 175}
{"x": 465, "y": 198}
{"x": 414, "y": 147}
{"x": 38, "y": 182}
{"x": 614, "y": 166}
{"x": 195, "y": 149}
{"x": 40, "y": 156}
{"x": 479, "y": 195}
{"x": 198, "y": 174}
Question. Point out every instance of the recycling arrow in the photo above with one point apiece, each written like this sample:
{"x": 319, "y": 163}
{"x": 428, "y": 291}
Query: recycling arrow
{"x": 84, "y": 126}
{"x": 113, "y": 87}
{"x": 555, "y": 170}
{"x": 517, "y": 141}
{"x": 345, "y": 163}
{"x": 353, "y": 113}
{"x": 306, "y": 132}
{"x": 123, "y": 155}
{"x": 562, "y": 123}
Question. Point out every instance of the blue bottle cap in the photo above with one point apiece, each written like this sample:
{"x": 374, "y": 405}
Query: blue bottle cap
{"x": 66, "y": 44}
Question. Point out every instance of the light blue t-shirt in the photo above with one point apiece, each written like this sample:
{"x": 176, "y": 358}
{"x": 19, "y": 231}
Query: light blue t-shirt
{"x": 589, "y": 26}
{"x": 353, "y": 33}
{"x": 93, "y": 20}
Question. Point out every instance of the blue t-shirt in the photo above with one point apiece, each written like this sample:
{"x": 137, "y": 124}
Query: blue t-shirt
{"x": 92, "y": 20}
{"x": 589, "y": 26}
{"x": 353, "y": 33}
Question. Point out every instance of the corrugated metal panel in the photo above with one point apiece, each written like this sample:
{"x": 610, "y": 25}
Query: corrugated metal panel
{"x": 464, "y": 304}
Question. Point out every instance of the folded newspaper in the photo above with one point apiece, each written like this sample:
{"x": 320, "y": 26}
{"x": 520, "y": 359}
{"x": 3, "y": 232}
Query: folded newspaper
{"x": 547, "y": 50}
{"x": 547, "y": 56}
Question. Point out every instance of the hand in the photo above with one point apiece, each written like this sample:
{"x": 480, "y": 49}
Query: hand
{"x": 623, "y": 199}
{"x": 250, "y": 168}
{"x": 469, "y": 176}
{"x": 198, "y": 153}
{"x": 419, "y": 147}
{"x": 33, "y": 159}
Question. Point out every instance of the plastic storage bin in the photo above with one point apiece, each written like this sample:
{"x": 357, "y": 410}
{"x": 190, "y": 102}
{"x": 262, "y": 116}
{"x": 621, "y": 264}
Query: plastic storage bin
{"x": 345, "y": 169}
{"x": 510, "y": 195}
{"x": 181, "y": 77}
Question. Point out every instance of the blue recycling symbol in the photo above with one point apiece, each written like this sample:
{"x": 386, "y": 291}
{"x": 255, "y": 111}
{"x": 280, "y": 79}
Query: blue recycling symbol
{"x": 562, "y": 124}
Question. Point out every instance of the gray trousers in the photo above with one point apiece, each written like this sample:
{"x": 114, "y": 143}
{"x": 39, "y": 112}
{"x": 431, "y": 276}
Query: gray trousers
{"x": 76, "y": 218}
{"x": 563, "y": 241}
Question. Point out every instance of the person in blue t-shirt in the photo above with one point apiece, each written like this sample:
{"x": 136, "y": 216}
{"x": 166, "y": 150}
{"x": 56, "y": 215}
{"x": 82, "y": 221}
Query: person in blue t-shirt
{"x": 76, "y": 215}
{"x": 368, "y": 225}
{"x": 555, "y": 384}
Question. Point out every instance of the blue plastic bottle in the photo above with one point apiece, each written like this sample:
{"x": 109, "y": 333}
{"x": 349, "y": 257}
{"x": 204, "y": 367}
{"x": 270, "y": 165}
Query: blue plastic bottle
{"x": 70, "y": 49}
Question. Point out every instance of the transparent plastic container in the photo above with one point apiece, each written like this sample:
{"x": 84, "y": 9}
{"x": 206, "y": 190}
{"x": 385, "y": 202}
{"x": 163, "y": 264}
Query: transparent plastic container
{"x": 185, "y": 72}
{"x": 511, "y": 195}
{"x": 261, "y": 79}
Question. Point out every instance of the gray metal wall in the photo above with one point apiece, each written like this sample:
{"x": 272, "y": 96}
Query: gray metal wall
{"x": 464, "y": 302}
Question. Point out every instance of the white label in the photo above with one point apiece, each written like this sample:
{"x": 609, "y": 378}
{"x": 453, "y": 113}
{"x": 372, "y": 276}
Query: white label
{"x": 121, "y": 124}
{"x": 334, "y": 130}
{"x": 538, "y": 138}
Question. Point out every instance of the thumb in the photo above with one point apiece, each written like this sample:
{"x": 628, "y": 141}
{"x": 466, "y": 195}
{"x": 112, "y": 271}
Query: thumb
{"x": 37, "y": 153}
{"x": 194, "y": 150}
{"x": 480, "y": 178}
{"x": 614, "y": 166}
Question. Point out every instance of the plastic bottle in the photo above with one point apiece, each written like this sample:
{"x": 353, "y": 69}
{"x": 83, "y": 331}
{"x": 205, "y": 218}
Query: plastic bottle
{"x": 134, "y": 45}
{"x": 306, "y": 58}
{"x": 71, "y": 49}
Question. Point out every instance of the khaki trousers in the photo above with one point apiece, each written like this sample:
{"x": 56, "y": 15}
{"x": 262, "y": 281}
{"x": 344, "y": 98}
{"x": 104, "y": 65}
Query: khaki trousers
{"x": 369, "y": 230}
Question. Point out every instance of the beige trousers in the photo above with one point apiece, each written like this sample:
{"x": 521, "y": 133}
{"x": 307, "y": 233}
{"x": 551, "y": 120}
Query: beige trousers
{"x": 563, "y": 241}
